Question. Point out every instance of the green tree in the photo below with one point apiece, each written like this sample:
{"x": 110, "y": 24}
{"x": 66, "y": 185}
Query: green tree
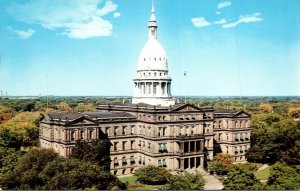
{"x": 85, "y": 107}
{"x": 283, "y": 177}
{"x": 8, "y": 159}
{"x": 23, "y": 127}
{"x": 44, "y": 169}
{"x": 273, "y": 138}
{"x": 25, "y": 175}
{"x": 10, "y": 139}
{"x": 96, "y": 151}
{"x": 64, "y": 106}
{"x": 186, "y": 181}
{"x": 152, "y": 175}
{"x": 265, "y": 107}
{"x": 73, "y": 174}
{"x": 240, "y": 179}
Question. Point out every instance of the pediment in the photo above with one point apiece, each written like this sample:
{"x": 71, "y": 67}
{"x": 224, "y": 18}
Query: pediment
{"x": 241, "y": 114}
{"x": 83, "y": 120}
{"x": 187, "y": 107}
{"x": 45, "y": 118}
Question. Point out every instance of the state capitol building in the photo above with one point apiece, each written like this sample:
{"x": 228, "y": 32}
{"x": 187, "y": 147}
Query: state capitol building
{"x": 153, "y": 129}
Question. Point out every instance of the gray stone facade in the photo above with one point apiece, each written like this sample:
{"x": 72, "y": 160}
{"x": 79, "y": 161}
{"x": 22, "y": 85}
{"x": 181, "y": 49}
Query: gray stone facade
{"x": 179, "y": 137}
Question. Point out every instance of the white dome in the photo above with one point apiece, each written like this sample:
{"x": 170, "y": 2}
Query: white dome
{"x": 153, "y": 57}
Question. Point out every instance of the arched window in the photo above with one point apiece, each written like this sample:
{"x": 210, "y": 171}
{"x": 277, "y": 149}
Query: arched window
{"x": 159, "y": 163}
{"x": 124, "y": 162}
{"x": 116, "y": 162}
{"x": 81, "y": 134}
{"x": 72, "y": 135}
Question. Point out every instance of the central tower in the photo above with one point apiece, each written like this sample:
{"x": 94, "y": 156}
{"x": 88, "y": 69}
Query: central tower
{"x": 152, "y": 84}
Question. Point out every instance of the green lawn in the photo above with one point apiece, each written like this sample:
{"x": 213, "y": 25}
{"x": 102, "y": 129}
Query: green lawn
{"x": 132, "y": 180}
{"x": 263, "y": 174}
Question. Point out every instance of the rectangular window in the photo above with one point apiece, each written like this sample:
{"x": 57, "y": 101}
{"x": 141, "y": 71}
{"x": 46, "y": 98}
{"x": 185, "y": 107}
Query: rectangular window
{"x": 123, "y": 145}
{"x": 72, "y": 136}
{"x": 131, "y": 144}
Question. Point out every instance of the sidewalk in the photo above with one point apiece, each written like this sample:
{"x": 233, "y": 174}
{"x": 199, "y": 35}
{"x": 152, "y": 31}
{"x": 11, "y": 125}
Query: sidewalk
{"x": 212, "y": 183}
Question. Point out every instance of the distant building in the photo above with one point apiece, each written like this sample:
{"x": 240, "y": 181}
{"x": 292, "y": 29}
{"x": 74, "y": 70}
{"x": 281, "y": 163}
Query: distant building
{"x": 153, "y": 129}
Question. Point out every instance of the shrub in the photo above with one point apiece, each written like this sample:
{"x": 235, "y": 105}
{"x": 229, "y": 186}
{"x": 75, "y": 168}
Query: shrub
{"x": 152, "y": 175}
{"x": 186, "y": 181}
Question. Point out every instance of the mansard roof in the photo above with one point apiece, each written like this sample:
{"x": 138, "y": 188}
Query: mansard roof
{"x": 151, "y": 108}
{"x": 91, "y": 117}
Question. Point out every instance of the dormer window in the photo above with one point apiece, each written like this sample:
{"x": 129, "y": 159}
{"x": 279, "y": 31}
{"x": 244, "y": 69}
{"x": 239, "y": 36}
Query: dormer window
{"x": 154, "y": 59}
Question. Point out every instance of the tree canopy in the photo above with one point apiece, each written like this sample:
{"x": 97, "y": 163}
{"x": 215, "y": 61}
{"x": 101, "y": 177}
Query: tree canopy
{"x": 274, "y": 138}
{"x": 283, "y": 177}
{"x": 152, "y": 175}
{"x": 44, "y": 169}
{"x": 96, "y": 151}
{"x": 239, "y": 178}
{"x": 186, "y": 181}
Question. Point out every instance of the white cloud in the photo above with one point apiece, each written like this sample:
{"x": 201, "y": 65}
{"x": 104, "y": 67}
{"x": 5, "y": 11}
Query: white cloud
{"x": 223, "y": 4}
{"x": 108, "y": 7}
{"x": 255, "y": 17}
{"x": 117, "y": 14}
{"x": 96, "y": 27}
{"x": 24, "y": 34}
{"x": 218, "y": 12}
{"x": 222, "y": 21}
{"x": 200, "y": 22}
{"x": 77, "y": 18}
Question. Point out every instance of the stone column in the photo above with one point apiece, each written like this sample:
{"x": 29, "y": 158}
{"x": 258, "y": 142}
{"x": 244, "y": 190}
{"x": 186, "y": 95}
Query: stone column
{"x": 182, "y": 147}
{"x": 182, "y": 164}
{"x": 201, "y": 161}
{"x": 158, "y": 89}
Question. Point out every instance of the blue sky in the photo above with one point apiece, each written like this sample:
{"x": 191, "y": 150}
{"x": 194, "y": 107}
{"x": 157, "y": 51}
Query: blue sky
{"x": 91, "y": 47}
